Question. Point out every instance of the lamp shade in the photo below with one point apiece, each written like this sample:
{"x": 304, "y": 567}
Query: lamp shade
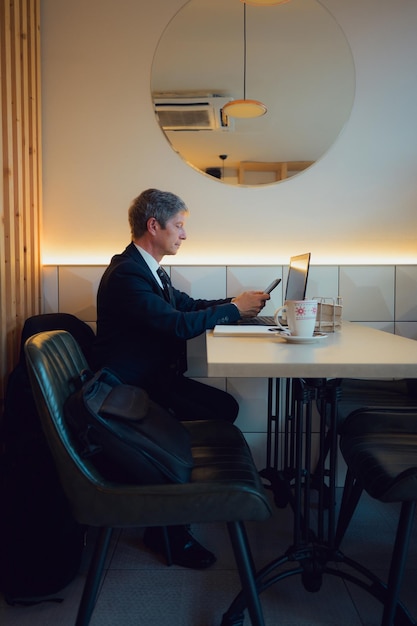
{"x": 244, "y": 108}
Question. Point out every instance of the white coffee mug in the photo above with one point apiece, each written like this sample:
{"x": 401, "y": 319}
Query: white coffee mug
{"x": 301, "y": 317}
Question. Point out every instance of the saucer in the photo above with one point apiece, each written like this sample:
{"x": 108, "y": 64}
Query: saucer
{"x": 298, "y": 339}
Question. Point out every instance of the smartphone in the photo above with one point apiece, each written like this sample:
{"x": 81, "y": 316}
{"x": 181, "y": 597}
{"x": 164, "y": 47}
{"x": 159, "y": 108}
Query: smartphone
{"x": 272, "y": 286}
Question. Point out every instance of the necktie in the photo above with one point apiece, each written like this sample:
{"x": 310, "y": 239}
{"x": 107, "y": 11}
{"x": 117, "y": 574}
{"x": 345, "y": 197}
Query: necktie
{"x": 166, "y": 283}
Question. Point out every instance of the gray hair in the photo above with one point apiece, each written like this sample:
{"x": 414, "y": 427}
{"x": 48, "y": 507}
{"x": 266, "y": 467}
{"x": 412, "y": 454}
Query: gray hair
{"x": 162, "y": 205}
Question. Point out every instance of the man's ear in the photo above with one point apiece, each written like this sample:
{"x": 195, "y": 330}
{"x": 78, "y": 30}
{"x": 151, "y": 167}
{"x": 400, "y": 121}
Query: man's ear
{"x": 152, "y": 225}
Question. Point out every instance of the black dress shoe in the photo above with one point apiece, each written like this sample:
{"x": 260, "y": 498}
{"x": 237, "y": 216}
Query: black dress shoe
{"x": 185, "y": 549}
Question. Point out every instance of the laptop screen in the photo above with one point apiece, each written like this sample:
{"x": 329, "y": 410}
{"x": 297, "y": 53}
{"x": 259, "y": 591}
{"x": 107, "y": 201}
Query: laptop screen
{"x": 297, "y": 277}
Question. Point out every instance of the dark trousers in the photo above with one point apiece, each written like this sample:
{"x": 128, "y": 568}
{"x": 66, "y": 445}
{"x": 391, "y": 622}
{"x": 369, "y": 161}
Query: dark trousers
{"x": 190, "y": 400}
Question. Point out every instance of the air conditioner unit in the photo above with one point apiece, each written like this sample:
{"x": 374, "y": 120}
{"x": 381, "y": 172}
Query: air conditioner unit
{"x": 185, "y": 114}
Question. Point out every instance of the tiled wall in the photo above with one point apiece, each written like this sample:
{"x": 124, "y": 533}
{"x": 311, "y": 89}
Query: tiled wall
{"x": 382, "y": 296}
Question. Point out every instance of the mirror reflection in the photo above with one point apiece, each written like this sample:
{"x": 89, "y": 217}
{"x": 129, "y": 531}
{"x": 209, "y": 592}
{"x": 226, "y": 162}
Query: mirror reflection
{"x": 298, "y": 64}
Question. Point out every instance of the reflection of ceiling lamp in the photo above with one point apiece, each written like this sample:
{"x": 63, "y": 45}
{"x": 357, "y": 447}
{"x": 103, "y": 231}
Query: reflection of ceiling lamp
{"x": 244, "y": 108}
{"x": 223, "y": 157}
{"x": 264, "y": 3}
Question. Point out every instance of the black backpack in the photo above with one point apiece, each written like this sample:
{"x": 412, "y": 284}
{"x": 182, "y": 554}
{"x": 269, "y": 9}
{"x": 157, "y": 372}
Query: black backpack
{"x": 41, "y": 545}
{"x": 127, "y": 437}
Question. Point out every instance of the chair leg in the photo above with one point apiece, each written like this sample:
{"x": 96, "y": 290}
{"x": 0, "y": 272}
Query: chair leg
{"x": 352, "y": 491}
{"x": 245, "y": 565}
{"x": 398, "y": 561}
{"x": 167, "y": 545}
{"x": 94, "y": 575}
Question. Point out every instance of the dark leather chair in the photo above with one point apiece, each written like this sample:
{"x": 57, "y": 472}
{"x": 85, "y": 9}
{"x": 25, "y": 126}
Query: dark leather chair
{"x": 363, "y": 393}
{"x": 380, "y": 449}
{"x": 225, "y": 486}
{"x": 81, "y": 331}
{"x": 338, "y": 398}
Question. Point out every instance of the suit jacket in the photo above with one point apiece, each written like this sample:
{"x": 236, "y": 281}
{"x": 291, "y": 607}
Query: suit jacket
{"x": 139, "y": 334}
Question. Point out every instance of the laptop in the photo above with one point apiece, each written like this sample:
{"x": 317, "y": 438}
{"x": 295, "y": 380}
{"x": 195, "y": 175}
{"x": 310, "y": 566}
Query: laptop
{"x": 295, "y": 288}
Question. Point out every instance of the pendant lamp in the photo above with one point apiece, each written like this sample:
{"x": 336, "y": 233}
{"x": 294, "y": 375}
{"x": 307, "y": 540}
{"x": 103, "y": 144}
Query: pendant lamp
{"x": 244, "y": 108}
{"x": 223, "y": 157}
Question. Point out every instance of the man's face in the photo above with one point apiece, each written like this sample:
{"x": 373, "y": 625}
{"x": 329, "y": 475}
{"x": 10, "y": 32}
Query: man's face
{"x": 169, "y": 239}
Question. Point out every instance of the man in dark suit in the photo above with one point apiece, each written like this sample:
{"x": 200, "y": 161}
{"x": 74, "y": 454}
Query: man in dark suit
{"x": 143, "y": 324}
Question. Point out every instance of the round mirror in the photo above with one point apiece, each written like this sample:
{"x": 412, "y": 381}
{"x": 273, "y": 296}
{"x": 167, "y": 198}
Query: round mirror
{"x": 294, "y": 58}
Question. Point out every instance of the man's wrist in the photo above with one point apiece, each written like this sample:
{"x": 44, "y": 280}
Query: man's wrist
{"x": 238, "y": 310}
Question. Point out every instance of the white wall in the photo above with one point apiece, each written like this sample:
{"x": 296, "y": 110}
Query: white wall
{"x": 102, "y": 146}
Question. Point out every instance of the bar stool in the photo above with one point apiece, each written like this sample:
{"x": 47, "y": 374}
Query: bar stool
{"x": 380, "y": 449}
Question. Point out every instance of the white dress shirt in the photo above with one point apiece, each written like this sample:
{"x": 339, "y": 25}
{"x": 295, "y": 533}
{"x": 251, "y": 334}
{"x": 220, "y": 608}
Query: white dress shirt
{"x": 151, "y": 263}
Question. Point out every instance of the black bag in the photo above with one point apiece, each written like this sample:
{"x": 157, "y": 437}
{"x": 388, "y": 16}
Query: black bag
{"x": 41, "y": 544}
{"x": 128, "y": 437}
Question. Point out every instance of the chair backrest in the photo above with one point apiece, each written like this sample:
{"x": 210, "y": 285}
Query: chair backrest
{"x": 81, "y": 331}
{"x": 54, "y": 361}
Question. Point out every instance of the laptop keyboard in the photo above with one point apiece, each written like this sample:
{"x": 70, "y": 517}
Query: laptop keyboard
{"x": 260, "y": 320}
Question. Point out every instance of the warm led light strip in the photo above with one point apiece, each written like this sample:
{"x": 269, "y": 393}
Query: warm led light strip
{"x": 264, "y": 3}
{"x": 243, "y": 259}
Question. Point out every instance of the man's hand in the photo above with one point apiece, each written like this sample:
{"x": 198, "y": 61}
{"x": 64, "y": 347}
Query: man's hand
{"x": 250, "y": 303}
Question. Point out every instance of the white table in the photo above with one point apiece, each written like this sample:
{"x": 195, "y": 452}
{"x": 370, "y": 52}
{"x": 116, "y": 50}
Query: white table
{"x": 353, "y": 352}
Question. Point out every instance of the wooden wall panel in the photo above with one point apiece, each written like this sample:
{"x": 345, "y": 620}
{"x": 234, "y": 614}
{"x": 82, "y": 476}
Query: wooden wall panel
{"x": 21, "y": 183}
